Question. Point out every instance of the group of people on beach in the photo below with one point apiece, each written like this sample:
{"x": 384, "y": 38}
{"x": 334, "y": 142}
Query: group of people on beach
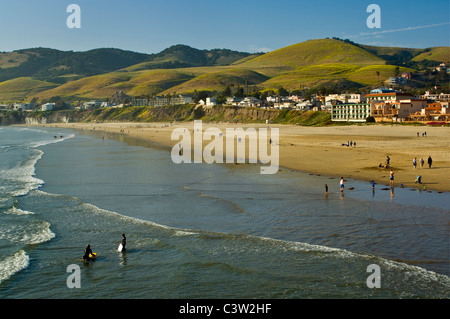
{"x": 424, "y": 134}
{"x": 350, "y": 144}
{"x": 341, "y": 185}
{"x": 89, "y": 255}
{"x": 422, "y": 162}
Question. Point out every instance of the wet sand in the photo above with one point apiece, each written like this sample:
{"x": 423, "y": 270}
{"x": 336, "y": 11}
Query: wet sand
{"x": 323, "y": 150}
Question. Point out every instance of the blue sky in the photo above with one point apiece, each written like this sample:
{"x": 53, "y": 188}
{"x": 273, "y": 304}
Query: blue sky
{"x": 150, "y": 26}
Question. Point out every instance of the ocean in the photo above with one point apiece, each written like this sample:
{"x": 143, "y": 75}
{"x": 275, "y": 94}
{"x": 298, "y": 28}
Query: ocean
{"x": 201, "y": 231}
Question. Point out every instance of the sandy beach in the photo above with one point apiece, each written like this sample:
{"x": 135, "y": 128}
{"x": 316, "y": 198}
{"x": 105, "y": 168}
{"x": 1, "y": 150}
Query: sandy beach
{"x": 324, "y": 150}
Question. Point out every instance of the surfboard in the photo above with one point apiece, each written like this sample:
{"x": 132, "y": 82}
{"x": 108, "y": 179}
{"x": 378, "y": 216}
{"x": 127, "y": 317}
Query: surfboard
{"x": 120, "y": 247}
{"x": 93, "y": 255}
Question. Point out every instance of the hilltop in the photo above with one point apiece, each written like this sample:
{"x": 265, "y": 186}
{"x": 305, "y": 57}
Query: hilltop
{"x": 333, "y": 64}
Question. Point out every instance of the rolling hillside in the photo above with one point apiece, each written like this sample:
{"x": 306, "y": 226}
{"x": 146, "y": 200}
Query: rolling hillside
{"x": 333, "y": 63}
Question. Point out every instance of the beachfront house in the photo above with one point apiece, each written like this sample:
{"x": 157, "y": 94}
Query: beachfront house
{"x": 47, "y": 107}
{"x": 23, "y": 106}
{"x": 433, "y": 112}
{"x": 233, "y": 101}
{"x": 211, "y": 101}
{"x": 250, "y": 101}
{"x": 163, "y": 101}
{"x": 390, "y": 105}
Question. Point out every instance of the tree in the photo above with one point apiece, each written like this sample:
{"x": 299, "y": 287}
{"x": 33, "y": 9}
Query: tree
{"x": 227, "y": 92}
{"x": 239, "y": 92}
{"x": 282, "y": 92}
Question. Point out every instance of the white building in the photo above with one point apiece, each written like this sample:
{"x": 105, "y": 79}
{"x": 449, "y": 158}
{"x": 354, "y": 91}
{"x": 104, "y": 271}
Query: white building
{"x": 211, "y": 101}
{"x": 233, "y": 101}
{"x": 21, "y": 106}
{"x": 304, "y": 105}
{"x": 47, "y": 106}
{"x": 250, "y": 101}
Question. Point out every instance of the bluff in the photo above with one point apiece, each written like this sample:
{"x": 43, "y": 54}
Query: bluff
{"x": 179, "y": 113}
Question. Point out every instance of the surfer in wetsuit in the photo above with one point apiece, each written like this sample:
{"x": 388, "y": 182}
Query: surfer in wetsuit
{"x": 124, "y": 242}
{"x": 87, "y": 251}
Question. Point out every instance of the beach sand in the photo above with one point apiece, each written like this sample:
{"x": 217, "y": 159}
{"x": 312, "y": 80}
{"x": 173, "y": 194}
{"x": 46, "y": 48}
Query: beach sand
{"x": 320, "y": 150}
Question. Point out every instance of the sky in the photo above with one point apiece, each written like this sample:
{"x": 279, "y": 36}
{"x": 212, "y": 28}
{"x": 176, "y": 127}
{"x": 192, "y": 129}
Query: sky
{"x": 150, "y": 26}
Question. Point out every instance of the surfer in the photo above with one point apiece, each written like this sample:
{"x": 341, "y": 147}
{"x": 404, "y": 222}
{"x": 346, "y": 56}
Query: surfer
{"x": 87, "y": 252}
{"x": 124, "y": 242}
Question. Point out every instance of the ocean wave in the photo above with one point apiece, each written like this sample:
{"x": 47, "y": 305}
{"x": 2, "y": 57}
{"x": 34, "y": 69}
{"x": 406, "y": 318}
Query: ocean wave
{"x": 24, "y": 174}
{"x": 31, "y": 233}
{"x": 17, "y": 211}
{"x": 13, "y": 264}
{"x": 266, "y": 244}
{"x": 56, "y": 139}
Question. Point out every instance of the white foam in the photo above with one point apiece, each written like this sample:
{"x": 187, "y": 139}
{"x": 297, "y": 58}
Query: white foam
{"x": 51, "y": 141}
{"x": 13, "y": 264}
{"x": 41, "y": 236}
{"x": 17, "y": 211}
{"x": 24, "y": 173}
{"x": 33, "y": 233}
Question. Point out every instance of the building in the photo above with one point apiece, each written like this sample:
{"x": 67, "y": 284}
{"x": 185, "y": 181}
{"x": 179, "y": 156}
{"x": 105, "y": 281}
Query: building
{"x": 211, "y": 101}
{"x": 344, "y": 98}
{"x": 250, "y": 101}
{"x": 162, "y": 101}
{"x": 47, "y": 107}
{"x": 233, "y": 101}
{"x": 305, "y": 105}
{"x": 350, "y": 112}
{"x": 390, "y": 105}
{"x": 397, "y": 80}
{"x": 435, "y": 97}
{"x": 433, "y": 112}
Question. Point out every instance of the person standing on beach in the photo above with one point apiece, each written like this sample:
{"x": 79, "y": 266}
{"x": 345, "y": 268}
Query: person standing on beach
{"x": 430, "y": 161}
{"x": 414, "y": 163}
{"x": 421, "y": 162}
{"x": 341, "y": 182}
{"x": 391, "y": 177}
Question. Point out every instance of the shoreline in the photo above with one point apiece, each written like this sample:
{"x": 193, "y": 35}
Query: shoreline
{"x": 320, "y": 150}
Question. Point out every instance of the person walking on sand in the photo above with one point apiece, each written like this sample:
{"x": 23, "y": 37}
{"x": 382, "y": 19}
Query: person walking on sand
{"x": 421, "y": 162}
{"x": 414, "y": 163}
{"x": 430, "y": 161}
{"x": 391, "y": 177}
{"x": 341, "y": 182}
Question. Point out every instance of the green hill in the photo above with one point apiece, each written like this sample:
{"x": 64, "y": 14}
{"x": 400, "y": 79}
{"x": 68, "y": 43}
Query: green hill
{"x": 20, "y": 88}
{"x": 440, "y": 54}
{"x": 333, "y": 63}
{"x": 54, "y": 65}
{"x": 313, "y": 52}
